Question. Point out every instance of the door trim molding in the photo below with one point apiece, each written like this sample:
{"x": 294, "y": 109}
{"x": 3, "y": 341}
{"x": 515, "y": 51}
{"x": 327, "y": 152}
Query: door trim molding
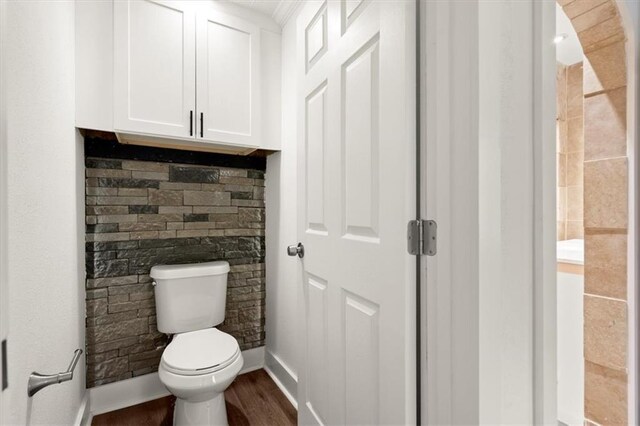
{"x": 544, "y": 262}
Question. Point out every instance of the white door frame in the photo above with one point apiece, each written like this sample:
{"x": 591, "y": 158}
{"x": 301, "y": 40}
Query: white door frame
{"x": 4, "y": 284}
{"x": 468, "y": 118}
{"x": 545, "y": 258}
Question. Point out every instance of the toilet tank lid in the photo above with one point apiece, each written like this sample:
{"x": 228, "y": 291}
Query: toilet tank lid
{"x": 167, "y": 272}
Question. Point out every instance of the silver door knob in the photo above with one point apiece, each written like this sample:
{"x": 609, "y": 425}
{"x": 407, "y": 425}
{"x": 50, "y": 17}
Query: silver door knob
{"x": 296, "y": 250}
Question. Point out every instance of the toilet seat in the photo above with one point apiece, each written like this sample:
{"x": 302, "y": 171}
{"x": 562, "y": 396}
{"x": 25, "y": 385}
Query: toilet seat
{"x": 200, "y": 352}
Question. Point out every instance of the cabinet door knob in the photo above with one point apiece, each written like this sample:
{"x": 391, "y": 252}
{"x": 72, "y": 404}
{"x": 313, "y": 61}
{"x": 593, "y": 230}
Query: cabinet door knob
{"x": 202, "y": 125}
{"x": 191, "y": 123}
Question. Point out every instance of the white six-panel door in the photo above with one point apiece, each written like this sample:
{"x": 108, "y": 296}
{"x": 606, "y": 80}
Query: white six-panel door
{"x": 228, "y": 79}
{"x": 356, "y": 110}
{"x": 154, "y": 67}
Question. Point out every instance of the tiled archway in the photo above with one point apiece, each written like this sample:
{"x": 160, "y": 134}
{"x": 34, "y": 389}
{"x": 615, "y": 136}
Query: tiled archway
{"x": 606, "y": 177}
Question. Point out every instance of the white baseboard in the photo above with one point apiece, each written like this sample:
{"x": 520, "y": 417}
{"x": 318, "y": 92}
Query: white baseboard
{"x": 253, "y": 359}
{"x": 125, "y": 393}
{"x": 283, "y": 377}
{"x": 83, "y": 417}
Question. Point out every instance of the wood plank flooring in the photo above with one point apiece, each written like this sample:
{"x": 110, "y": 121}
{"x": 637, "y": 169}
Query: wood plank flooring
{"x": 252, "y": 399}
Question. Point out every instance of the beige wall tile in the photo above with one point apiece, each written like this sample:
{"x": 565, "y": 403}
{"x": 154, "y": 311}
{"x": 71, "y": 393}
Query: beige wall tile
{"x": 579, "y": 7}
{"x": 562, "y": 170}
{"x": 561, "y": 136}
{"x": 604, "y": 43}
{"x": 575, "y": 168}
{"x": 574, "y": 90}
{"x": 594, "y": 16}
{"x": 575, "y": 229}
{"x": 607, "y": 32}
{"x": 561, "y": 230}
{"x": 605, "y": 331}
{"x": 605, "y": 265}
{"x": 605, "y": 69}
{"x": 606, "y": 125}
{"x": 605, "y": 395}
{"x": 561, "y": 91}
{"x": 575, "y": 134}
{"x": 561, "y": 203}
{"x": 574, "y": 203}
{"x": 605, "y": 194}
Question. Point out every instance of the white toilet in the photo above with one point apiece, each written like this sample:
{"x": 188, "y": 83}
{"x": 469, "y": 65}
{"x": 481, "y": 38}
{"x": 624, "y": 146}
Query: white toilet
{"x": 201, "y": 361}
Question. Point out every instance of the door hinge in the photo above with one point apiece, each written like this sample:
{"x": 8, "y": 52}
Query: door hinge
{"x": 422, "y": 237}
{"x": 5, "y": 373}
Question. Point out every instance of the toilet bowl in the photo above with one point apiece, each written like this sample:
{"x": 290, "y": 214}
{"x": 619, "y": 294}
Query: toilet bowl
{"x": 201, "y": 361}
{"x": 197, "y": 367}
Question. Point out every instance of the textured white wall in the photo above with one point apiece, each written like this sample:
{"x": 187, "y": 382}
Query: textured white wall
{"x": 506, "y": 184}
{"x": 283, "y": 285}
{"x": 44, "y": 216}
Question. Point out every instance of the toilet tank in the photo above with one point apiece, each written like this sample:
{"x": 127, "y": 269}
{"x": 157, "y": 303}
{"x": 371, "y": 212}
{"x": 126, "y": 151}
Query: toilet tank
{"x": 190, "y": 297}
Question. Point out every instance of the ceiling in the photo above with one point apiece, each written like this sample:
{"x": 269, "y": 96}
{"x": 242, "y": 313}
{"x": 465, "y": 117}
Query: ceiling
{"x": 569, "y": 50}
{"x": 266, "y": 7}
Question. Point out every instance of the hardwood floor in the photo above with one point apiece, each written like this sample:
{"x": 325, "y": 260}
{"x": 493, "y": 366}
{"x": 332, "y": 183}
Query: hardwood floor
{"x": 252, "y": 399}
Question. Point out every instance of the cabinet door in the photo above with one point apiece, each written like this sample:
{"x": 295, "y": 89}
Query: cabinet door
{"x": 154, "y": 67}
{"x": 228, "y": 72}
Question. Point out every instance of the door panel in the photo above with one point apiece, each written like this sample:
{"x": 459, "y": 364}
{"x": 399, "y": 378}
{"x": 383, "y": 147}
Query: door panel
{"x": 360, "y": 143}
{"x": 316, "y": 119}
{"x": 228, "y": 79}
{"x": 154, "y": 62}
{"x": 317, "y": 348}
{"x": 356, "y": 194}
{"x": 361, "y": 358}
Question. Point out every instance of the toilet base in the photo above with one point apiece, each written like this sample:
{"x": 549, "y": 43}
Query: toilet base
{"x": 211, "y": 412}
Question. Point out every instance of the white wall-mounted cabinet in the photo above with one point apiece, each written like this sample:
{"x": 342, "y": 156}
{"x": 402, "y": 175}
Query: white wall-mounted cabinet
{"x": 193, "y": 75}
{"x": 228, "y": 85}
{"x": 154, "y": 67}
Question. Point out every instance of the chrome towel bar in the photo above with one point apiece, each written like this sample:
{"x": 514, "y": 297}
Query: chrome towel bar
{"x": 39, "y": 381}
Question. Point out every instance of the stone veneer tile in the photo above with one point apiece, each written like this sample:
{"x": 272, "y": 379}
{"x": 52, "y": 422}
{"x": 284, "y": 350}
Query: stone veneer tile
{"x": 605, "y": 331}
{"x": 605, "y": 395}
{"x": 605, "y": 117}
{"x": 165, "y": 197}
{"x": 605, "y": 69}
{"x": 145, "y": 166}
{"x": 605, "y": 194}
{"x": 193, "y": 174}
{"x": 135, "y": 198}
{"x": 605, "y": 265}
{"x": 150, "y": 175}
{"x": 112, "y": 173}
{"x": 206, "y": 198}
